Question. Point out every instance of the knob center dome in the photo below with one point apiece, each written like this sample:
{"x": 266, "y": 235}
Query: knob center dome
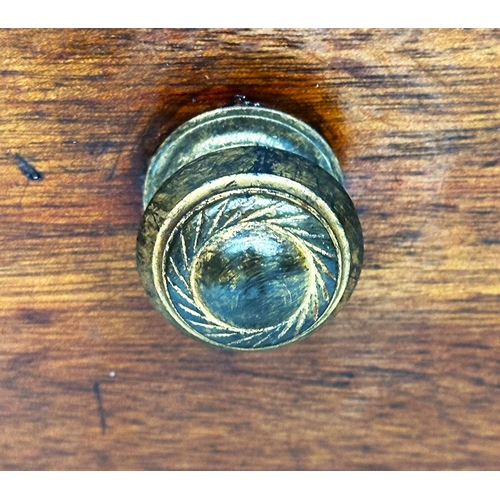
{"x": 251, "y": 276}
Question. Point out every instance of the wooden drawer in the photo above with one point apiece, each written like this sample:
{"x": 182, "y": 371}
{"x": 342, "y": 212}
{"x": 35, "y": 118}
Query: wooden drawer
{"x": 406, "y": 376}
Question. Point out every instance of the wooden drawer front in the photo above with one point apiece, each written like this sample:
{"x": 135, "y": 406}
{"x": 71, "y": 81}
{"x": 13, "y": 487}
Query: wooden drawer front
{"x": 406, "y": 376}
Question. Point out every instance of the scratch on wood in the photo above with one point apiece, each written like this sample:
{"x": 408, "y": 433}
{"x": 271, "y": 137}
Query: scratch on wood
{"x": 100, "y": 407}
{"x": 112, "y": 171}
{"x": 28, "y": 170}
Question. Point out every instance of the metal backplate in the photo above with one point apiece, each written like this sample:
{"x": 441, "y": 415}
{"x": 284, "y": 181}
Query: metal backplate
{"x": 232, "y": 127}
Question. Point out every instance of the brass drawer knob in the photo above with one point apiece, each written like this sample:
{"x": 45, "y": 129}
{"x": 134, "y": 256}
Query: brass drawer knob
{"x": 248, "y": 240}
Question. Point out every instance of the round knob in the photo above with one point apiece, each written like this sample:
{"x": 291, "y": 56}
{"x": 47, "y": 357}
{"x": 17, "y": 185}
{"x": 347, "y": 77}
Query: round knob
{"x": 248, "y": 240}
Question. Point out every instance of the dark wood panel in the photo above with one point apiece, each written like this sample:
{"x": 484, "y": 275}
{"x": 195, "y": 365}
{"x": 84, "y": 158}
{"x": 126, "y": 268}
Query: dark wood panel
{"x": 407, "y": 376}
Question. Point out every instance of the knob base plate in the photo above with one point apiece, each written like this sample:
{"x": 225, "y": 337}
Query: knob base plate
{"x": 237, "y": 126}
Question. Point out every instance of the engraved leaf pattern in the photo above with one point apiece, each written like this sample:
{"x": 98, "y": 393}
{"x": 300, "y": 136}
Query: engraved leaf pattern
{"x": 192, "y": 234}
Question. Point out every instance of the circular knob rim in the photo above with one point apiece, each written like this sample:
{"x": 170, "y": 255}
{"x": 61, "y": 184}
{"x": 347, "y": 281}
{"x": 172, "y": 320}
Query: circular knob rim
{"x": 252, "y": 171}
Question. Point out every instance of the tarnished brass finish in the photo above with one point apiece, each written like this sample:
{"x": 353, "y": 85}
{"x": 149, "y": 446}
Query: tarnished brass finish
{"x": 249, "y": 240}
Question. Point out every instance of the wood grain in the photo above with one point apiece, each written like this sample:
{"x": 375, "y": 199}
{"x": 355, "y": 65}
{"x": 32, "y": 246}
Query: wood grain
{"x": 406, "y": 377}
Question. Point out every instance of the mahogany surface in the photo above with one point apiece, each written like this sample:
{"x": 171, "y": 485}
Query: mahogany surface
{"x": 407, "y": 376}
